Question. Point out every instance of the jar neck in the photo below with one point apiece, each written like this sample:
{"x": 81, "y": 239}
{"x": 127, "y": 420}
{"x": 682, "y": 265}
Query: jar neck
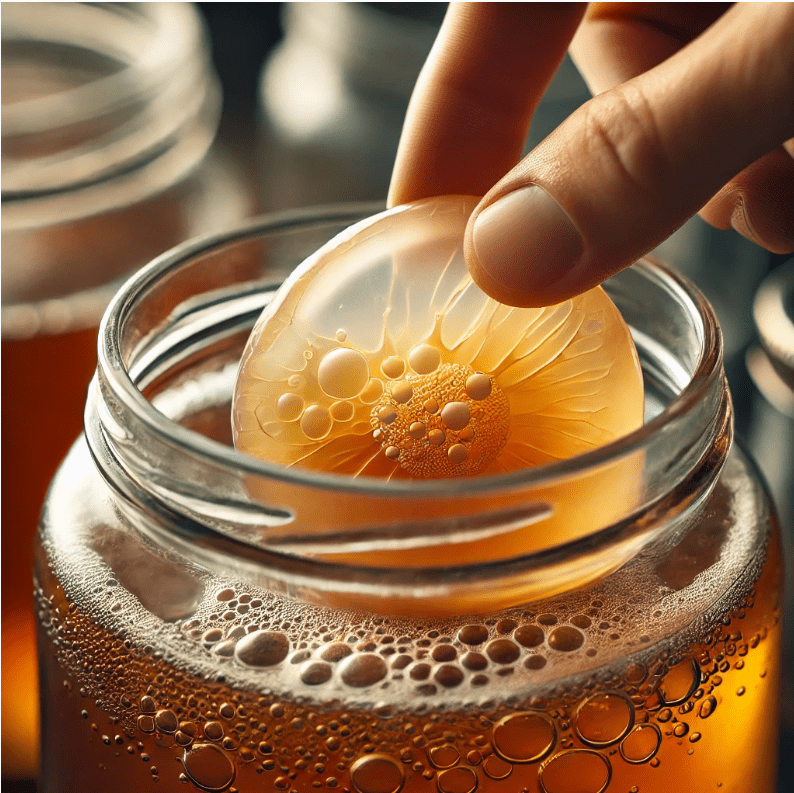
{"x": 169, "y": 348}
{"x": 106, "y": 103}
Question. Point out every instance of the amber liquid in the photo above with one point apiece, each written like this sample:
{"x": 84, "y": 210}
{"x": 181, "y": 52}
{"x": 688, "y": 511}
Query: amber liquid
{"x": 238, "y": 689}
{"x": 43, "y": 392}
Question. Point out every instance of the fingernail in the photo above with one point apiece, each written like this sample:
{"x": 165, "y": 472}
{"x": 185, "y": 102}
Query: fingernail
{"x": 524, "y": 241}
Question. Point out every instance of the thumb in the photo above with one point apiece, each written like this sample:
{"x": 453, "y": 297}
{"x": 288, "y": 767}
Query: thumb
{"x": 634, "y": 163}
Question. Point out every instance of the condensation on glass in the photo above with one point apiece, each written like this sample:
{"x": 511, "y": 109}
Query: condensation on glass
{"x": 187, "y": 636}
{"x": 108, "y": 120}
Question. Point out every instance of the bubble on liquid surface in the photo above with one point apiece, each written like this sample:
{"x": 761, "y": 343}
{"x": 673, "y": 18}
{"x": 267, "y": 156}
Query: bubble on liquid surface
{"x": 566, "y": 639}
{"x": 166, "y": 721}
{"x": 474, "y": 661}
{"x": 641, "y": 744}
{"x": 377, "y": 773}
{"x": 457, "y": 780}
{"x": 604, "y": 719}
{"x": 496, "y": 768}
{"x": 502, "y": 651}
{"x": 262, "y": 648}
{"x": 362, "y": 670}
{"x": 444, "y": 756}
{"x": 314, "y": 673}
{"x": 335, "y": 651}
{"x": 467, "y": 385}
{"x": 208, "y": 767}
{"x": 680, "y": 682}
{"x": 473, "y": 634}
{"x": 448, "y": 676}
{"x": 530, "y": 635}
{"x": 575, "y": 771}
{"x": 524, "y": 737}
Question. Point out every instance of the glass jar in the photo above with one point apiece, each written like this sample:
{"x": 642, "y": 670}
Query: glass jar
{"x": 109, "y": 116}
{"x": 193, "y": 629}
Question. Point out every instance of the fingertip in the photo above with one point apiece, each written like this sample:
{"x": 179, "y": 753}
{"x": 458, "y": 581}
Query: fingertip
{"x": 497, "y": 290}
{"x": 470, "y": 111}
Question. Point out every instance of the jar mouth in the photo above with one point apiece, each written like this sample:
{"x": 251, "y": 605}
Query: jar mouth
{"x": 118, "y": 371}
{"x": 685, "y": 438}
{"x": 96, "y": 92}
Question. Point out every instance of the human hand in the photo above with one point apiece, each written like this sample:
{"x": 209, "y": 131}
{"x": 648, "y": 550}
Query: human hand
{"x": 694, "y": 112}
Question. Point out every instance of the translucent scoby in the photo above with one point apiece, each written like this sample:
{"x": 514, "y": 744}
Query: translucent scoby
{"x": 381, "y": 357}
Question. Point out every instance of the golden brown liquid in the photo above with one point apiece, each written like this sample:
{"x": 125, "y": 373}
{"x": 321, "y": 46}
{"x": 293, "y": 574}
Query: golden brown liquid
{"x": 351, "y": 702}
{"x": 46, "y": 376}
{"x": 45, "y": 379}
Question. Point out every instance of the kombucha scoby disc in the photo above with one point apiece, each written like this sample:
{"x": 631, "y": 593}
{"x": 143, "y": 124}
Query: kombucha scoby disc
{"x": 381, "y": 357}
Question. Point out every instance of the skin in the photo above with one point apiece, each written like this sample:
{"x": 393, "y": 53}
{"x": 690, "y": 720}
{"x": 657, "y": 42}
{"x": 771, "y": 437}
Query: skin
{"x": 693, "y": 113}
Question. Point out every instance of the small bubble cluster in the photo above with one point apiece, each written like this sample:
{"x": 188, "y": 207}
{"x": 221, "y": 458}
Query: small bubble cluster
{"x": 433, "y": 419}
{"x": 446, "y": 421}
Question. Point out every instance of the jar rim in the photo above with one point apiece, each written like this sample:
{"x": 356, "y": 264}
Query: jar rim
{"x": 707, "y": 369}
{"x": 123, "y": 134}
{"x": 281, "y": 527}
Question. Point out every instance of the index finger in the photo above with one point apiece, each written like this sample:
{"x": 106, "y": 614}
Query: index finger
{"x": 470, "y": 111}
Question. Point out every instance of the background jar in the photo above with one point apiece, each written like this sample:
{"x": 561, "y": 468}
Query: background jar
{"x": 184, "y": 603}
{"x": 109, "y": 116}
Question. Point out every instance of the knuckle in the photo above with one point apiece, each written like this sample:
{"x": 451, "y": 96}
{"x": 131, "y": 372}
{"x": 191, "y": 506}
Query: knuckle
{"x": 622, "y": 134}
